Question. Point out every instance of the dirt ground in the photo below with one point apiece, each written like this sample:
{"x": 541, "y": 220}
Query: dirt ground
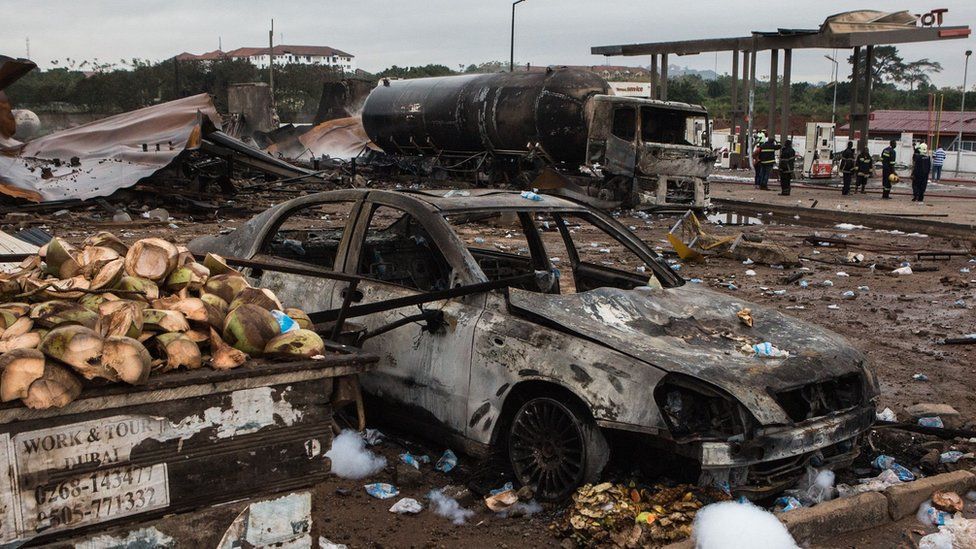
{"x": 897, "y": 321}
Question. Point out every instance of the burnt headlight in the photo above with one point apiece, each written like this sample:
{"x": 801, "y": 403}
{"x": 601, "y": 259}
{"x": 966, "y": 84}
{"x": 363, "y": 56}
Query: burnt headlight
{"x": 692, "y": 409}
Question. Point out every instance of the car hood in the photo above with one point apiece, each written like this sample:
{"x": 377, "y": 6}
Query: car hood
{"x": 694, "y": 331}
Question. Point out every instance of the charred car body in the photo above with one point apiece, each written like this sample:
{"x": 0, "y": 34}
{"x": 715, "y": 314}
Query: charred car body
{"x": 579, "y": 348}
{"x": 558, "y": 129}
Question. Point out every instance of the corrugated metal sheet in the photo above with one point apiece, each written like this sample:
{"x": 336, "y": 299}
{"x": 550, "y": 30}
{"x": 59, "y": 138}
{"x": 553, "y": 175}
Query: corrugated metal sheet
{"x": 921, "y": 122}
{"x": 112, "y": 153}
{"x": 10, "y": 244}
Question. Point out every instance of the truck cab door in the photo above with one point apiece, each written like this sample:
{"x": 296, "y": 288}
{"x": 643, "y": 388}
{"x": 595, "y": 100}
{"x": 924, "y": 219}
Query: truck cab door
{"x": 621, "y": 155}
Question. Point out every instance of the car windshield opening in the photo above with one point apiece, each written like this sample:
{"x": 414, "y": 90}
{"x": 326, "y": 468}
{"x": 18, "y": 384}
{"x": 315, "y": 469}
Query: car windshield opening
{"x": 673, "y": 127}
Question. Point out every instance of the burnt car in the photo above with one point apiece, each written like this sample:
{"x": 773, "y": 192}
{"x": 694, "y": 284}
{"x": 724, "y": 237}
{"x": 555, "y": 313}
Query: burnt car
{"x": 599, "y": 337}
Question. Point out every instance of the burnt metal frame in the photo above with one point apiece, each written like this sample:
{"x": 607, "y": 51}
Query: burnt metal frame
{"x": 787, "y": 41}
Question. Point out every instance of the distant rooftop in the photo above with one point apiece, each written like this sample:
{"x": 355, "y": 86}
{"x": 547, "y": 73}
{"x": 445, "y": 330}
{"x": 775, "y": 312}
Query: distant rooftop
{"x": 282, "y": 49}
{"x": 893, "y": 121}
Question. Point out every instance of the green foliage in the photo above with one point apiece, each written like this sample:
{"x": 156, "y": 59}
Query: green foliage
{"x": 487, "y": 67}
{"x": 415, "y": 72}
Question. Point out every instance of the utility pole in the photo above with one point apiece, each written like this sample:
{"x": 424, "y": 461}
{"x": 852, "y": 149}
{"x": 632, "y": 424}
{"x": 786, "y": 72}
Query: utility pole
{"x": 833, "y": 109}
{"x": 28, "y": 50}
{"x": 511, "y": 57}
{"x": 962, "y": 111}
{"x": 271, "y": 59}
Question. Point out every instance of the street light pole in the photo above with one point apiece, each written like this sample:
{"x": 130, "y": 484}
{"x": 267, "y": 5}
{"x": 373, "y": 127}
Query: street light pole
{"x": 833, "y": 108}
{"x": 511, "y": 58}
{"x": 962, "y": 111}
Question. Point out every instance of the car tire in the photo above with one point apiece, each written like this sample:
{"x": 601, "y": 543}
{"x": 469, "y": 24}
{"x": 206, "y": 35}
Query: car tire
{"x": 555, "y": 446}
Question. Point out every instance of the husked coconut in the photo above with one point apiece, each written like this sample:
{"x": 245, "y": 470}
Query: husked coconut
{"x": 56, "y": 388}
{"x": 107, "y": 240}
{"x": 30, "y": 340}
{"x": 191, "y": 275}
{"x": 250, "y": 328}
{"x": 78, "y": 347}
{"x": 161, "y": 320}
{"x": 128, "y": 358}
{"x": 225, "y": 286}
{"x": 151, "y": 258}
{"x": 92, "y": 258}
{"x": 18, "y": 369}
{"x": 222, "y": 355}
{"x": 92, "y": 301}
{"x": 262, "y": 297}
{"x": 7, "y": 318}
{"x": 110, "y": 307}
{"x": 147, "y": 288}
{"x": 198, "y": 332}
{"x": 218, "y": 265}
{"x": 198, "y": 310}
{"x": 300, "y": 318}
{"x": 108, "y": 274}
{"x": 16, "y": 308}
{"x": 296, "y": 343}
{"x": 180, "y": 350}
{"x": 20, "y": 327}
{"x": 124, "y": 320}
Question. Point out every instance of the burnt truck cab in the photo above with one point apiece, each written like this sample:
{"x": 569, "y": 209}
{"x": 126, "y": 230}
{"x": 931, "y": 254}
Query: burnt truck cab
{"x": 656, "y": 153}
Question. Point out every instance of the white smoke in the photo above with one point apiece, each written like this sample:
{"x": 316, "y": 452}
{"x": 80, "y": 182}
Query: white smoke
{"x": 733, "y": 525}
{"x": 351, "y": 459}
{"x": 448, "y": 507}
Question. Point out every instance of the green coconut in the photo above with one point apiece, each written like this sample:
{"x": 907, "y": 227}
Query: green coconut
{"x": 215, "y": 301}
{"x": 108, "y": 274}
{"x": 180, "y": 351}
{"x": 300, "y": 318}
{"x": 92, "y": 301}
{"x": 78, "y": 347}
{"x": 58, "y": 252}
{"x": 124, "y": 319}
{"x": 51, "y": 314}
{"x": 218, "y": 265}
{"x": 144, "y": 286}
{"x": 164, "y": 320}
{"x": 249, "y": 328}
{"x": 17, "y": 308}
{"x": 222, "y": 355}
{"x": 226, "y": 286}
{"x": 296, "y": 344}
{"x": 128, "y": 358}
{"x": 262, "y": 297}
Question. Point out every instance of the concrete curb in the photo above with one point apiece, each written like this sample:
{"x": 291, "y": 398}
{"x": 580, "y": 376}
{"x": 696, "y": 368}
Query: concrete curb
{"x": 864, "y": 511}
{"x": 876, "y": 221}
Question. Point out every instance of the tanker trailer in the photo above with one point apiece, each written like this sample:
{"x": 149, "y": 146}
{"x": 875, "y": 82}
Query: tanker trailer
{"x": 558, "y": 130}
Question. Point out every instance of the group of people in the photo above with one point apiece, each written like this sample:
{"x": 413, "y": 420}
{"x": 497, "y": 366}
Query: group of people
{"x": 764, "y": 158}
{"x": 854, "y": 168}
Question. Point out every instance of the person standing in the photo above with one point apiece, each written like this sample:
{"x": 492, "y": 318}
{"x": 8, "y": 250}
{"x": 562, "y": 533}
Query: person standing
{"x": 887, "y": 169}
{"x": 767, "y": 158}
{"x": 938, "y": 159}
{"x": 847, "y": 167}
{"x": 921, "y": 167}
{"x": 865, "y": 165}
{"x": 760, "y": 137}
{"x": 787, "y": 163}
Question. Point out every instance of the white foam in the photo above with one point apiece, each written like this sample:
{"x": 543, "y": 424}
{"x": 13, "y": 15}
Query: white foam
{"x": 733, "y": 525}
{"x": 448, "y": 507}
{"x": 351, "y": 459}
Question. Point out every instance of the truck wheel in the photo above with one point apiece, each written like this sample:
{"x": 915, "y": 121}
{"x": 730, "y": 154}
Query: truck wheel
{"x": 555, "y": 447}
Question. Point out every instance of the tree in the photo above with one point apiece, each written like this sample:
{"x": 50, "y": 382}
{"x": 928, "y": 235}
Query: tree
{"x": 917, "y": 73}
{"x": 487, "y": 67}
{"x": 886, "y": 64}
{"x": 415, "y": 72}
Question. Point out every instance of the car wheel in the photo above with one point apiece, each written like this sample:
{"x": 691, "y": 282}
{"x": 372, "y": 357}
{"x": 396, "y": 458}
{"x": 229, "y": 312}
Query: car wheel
{"x": 555, "y": 447}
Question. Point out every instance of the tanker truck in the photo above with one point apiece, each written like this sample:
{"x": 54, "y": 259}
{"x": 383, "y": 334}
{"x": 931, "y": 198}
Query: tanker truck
{"x": 560, "y": 130}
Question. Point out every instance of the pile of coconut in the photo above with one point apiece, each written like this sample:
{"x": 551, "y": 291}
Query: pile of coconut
{"x": 109, "y": 312}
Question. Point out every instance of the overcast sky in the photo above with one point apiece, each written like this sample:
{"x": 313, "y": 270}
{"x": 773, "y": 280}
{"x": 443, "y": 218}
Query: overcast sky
{"x": 381, "y": 33}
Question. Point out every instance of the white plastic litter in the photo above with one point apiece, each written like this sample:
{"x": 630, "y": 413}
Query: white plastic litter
{"x": 733, "y": 525}
{"x": 767, "y": 350}
{"x": 816, "y": 487}
{"x": 351, "y": 459}
{"x": 407, "y": 506}
{"x": 373, "y": 437}
{"x": 938, "y": 540}
{"x": 828, "y": 283}
{"x": 750, "y": 272}
{"x": 842, "y": 274}
{"x": 886, "y": 415}
{"x": 448, "y": 507}
{"x": 748, "y": 261}
{"x": 848, "y": 226}
{"x": 901, "y": 271}
{"x": 874, "y": 484}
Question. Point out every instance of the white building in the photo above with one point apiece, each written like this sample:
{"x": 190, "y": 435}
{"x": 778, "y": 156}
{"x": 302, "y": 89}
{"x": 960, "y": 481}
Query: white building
{"x": 283, "y": 55}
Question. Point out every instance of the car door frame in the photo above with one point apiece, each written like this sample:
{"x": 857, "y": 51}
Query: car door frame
{"x": 406, "y": 378}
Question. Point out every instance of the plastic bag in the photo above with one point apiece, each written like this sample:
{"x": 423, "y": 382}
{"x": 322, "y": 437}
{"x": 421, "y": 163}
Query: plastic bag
{"x": 407, "y": 506}
{"x": 381, "y": 490}
{"x": 447, "y": 462}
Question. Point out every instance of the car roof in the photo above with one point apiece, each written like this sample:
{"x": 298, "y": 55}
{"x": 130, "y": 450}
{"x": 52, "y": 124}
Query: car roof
{"x": 456, "y": 200}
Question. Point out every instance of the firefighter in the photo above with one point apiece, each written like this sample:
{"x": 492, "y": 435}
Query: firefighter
{"x": 847, "y": 167}
{"x": 787, "y": 163}
{"x": 767, "y": 157}
{"x": 760, "y": 137}
{"x": 921, "y": 167}
{"x": 888, "y": 169}
{"x": 865, "y": 165}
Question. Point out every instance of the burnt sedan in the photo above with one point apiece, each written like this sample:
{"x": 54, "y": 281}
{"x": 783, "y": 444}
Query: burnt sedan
{"x": 600, "y": 337}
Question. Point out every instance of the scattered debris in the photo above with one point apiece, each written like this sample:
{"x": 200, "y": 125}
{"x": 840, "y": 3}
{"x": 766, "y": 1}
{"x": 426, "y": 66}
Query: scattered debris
{"x": 745, "y": 315}
{"x": 381, "y": 490}
{"x": 446, "y": 462}
{"x": 448, "y": 507}
{"x": 407, "y": 506}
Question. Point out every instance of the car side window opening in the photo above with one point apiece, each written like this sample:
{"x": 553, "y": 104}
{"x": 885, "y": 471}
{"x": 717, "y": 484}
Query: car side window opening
{"x": 399, "y": 250}
{"x": 311, "y": 234}
{"x": 670, "y": 127}
{"x": 584, "y": 252}
{"x": 498, "y": 243}
{"x": 624, "y": 123}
